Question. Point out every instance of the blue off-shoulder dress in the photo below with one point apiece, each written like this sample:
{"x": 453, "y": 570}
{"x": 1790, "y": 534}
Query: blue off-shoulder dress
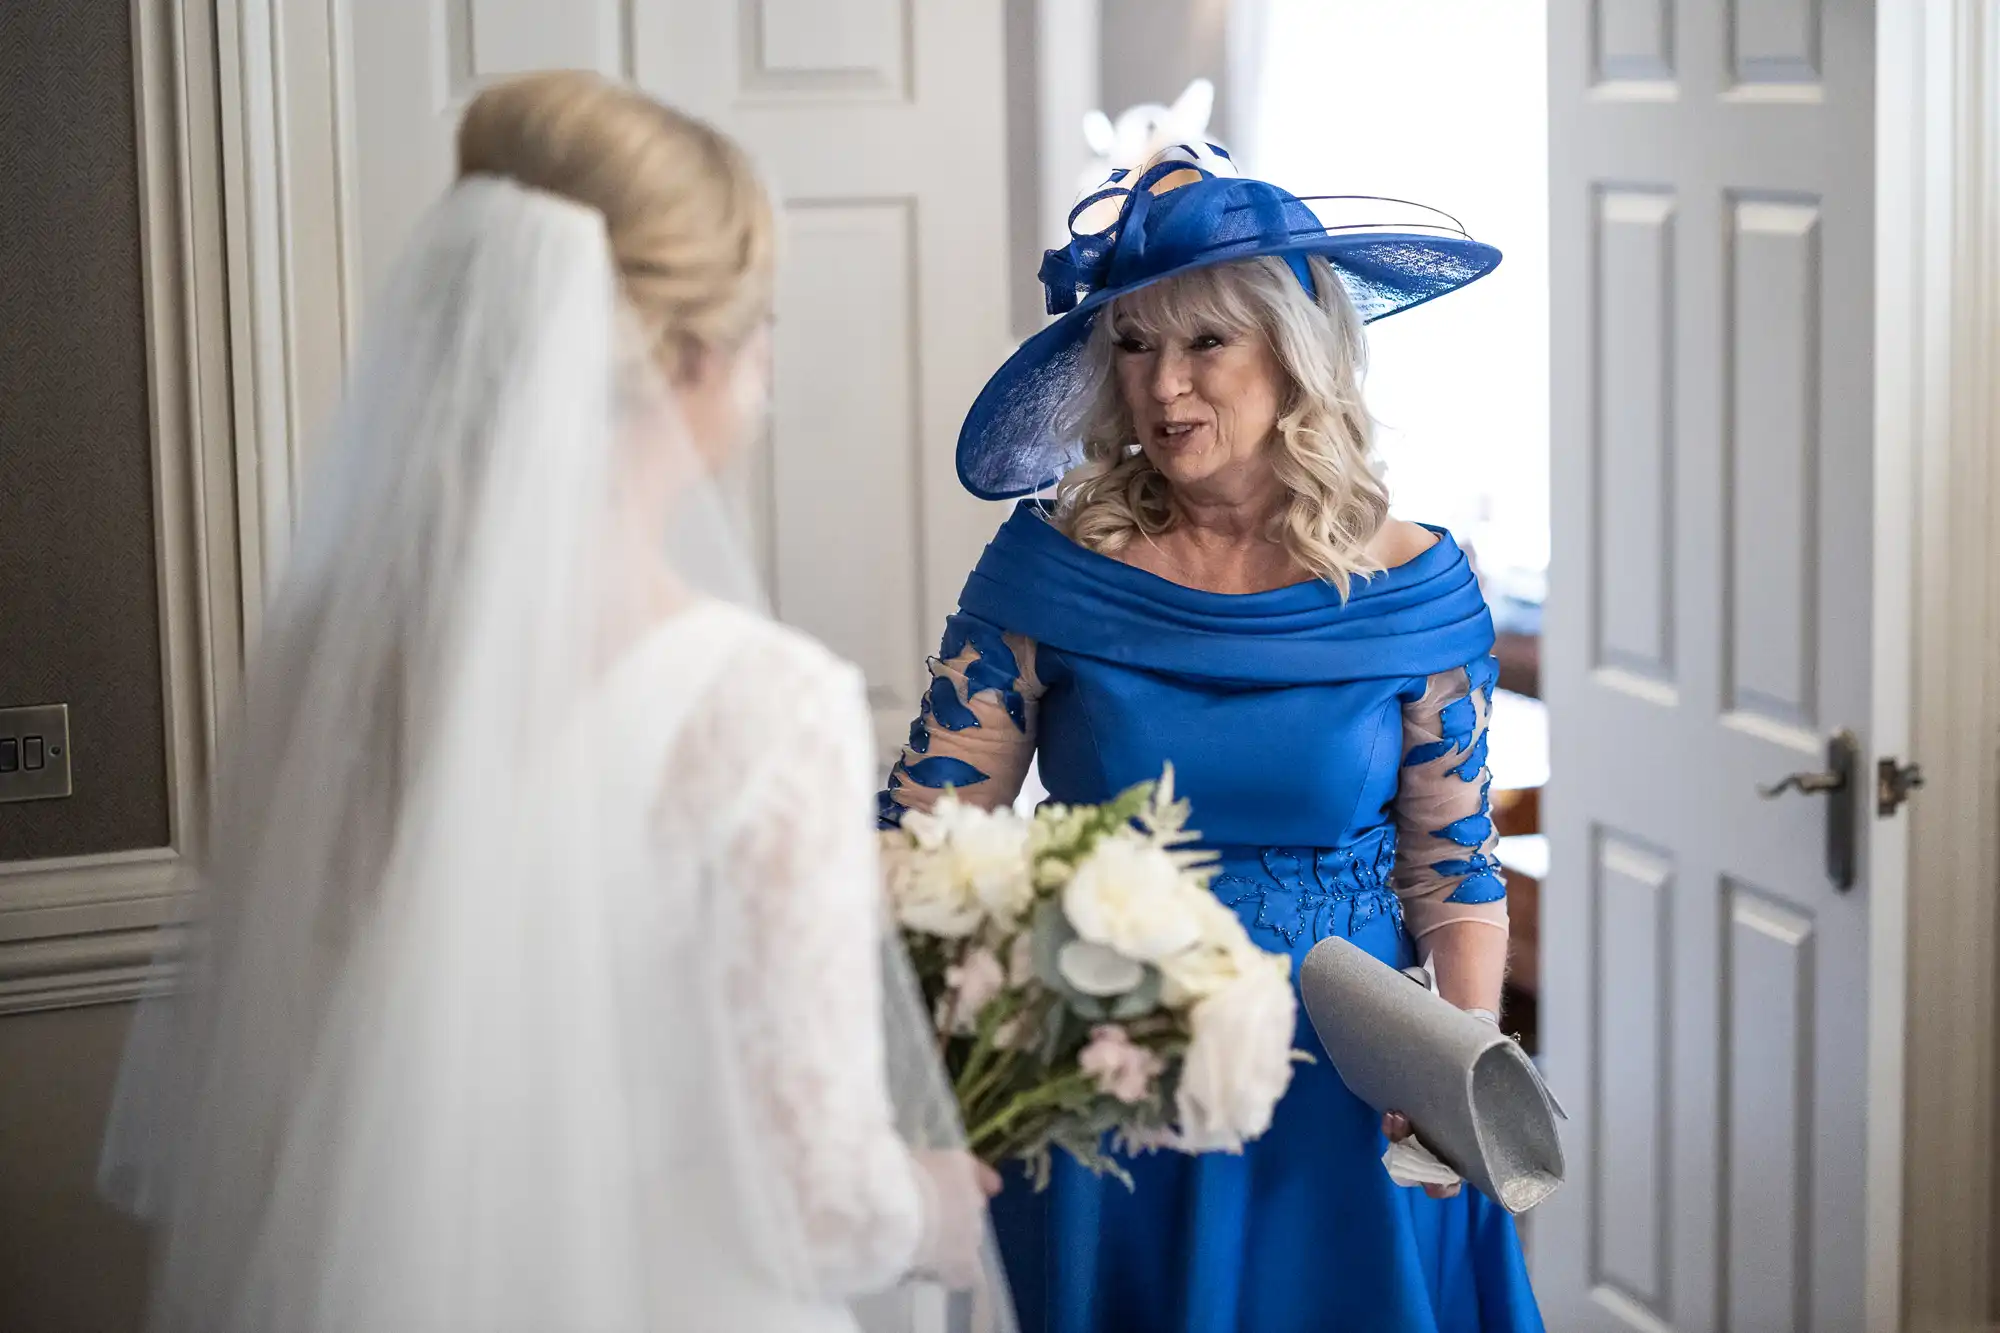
{"x": 1334, "y": 753}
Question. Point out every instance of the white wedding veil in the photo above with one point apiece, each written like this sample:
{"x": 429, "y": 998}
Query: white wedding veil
{"x": 448, "y": 1049}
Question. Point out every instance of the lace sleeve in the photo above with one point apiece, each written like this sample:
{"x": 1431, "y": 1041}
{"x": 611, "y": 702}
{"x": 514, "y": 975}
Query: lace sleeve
{"x": 1445, "y": 868}
{"x": 798, "y": 905}
{"x": 976, "y": 730}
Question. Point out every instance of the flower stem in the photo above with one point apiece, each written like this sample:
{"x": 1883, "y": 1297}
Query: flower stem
{"x": 1050, "y": 1094}
{"x": 986, "y": 1044}
{"x": 969, "y": 1099}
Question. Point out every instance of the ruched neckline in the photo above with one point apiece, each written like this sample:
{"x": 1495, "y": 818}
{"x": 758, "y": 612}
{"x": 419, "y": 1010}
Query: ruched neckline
{"x": 1422, "y": 616}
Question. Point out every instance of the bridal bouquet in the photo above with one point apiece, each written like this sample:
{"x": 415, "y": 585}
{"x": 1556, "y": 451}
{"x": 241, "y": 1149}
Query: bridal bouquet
{"x": 1086, "y": 984}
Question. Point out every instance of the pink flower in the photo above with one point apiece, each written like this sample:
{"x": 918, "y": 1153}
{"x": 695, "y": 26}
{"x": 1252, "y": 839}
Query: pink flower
{"x": 1122, "y": 1069}
{"x": 973, "y": 985}
{"x": 1021, "y": 960}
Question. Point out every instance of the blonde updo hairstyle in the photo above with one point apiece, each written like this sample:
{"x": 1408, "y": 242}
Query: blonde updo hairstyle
{"x": 1324, "y": 451}
{"x": 690, "y": 223}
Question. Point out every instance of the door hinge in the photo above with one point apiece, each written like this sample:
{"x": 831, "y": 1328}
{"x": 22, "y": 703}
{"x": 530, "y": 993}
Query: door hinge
{"x": 1893, "y": 784}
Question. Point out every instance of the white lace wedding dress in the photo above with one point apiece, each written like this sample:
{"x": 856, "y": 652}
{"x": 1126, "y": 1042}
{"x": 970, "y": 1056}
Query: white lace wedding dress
{"x": 765, "y": 778}
{"x": 536, "y": 973}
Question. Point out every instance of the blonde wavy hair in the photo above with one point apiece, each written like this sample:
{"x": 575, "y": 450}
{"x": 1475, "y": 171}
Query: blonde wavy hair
{"x": 690, "y": 222}
{"x": 1325, "y": 437}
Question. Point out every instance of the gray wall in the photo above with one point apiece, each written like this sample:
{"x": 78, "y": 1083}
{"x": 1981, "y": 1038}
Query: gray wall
{"x": 1151, "y": 49}
{"x": 78, "y": 610}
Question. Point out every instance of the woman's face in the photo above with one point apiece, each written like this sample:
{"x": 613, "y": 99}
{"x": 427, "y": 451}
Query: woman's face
{"x": 1204, "y": 404}
{"x": 725, "y": 396}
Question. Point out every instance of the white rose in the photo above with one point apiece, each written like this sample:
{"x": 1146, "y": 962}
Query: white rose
{"x": 1195, "y": 974}
{"x": 992, "y": 854}
{"x": 966, "y": 865}
{"x": 1240, "y": 1060}
{"x": 1221, "y": 928}
{"x": 931, "y": 900}
{"x": 984, "y": 851}
{"x": 1219, "y": 957}
{"x": 1128, "y": 895}
{"x": 927, "y": 829}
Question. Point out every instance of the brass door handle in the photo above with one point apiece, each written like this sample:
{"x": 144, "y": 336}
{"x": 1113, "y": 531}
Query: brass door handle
{"x": 1836, "y": 782}
{"x": 1806, "y": 784}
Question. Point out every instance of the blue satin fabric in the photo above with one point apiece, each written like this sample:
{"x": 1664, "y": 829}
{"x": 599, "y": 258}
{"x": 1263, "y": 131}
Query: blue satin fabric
{"x": 1281, "y": 713}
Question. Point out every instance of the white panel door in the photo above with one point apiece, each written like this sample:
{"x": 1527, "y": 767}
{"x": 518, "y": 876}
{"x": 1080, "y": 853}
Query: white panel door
{"x": 1709, "y": 629}
{"x": 880, "y": 125}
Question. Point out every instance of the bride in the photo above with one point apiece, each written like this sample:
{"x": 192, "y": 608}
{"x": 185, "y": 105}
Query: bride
{"x": 537, "y": 976}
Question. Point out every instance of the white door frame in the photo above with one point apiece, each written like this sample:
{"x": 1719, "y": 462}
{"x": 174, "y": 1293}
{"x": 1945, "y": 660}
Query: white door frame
{"x": 287, "y": 147}
{"x": 1934, "y": 934}
{"x": 1931, "y": 1220}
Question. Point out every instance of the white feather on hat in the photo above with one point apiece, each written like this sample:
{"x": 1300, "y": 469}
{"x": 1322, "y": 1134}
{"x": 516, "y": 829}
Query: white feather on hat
{"x": 1144, "y": 135}
{"x": 1142, "y": 131}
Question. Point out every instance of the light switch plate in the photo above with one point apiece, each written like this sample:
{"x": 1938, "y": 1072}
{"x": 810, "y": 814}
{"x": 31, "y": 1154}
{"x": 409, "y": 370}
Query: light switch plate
{"x": 34, "y": 753}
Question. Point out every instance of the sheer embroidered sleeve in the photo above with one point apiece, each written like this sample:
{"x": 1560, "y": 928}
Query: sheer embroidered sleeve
{"x": 1445, "y": 868}
{"x": 784, "y": 759}
{"x": 976, "y": 731}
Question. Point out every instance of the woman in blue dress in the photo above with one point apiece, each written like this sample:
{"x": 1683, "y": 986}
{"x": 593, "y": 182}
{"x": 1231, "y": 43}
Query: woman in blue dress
{"x": 1218, "y": 584}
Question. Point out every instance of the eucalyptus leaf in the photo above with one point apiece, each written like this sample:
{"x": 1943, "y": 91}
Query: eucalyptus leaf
{"x": 1139, "y": 1001}
{"x": 1097, "y": 970}
{"x": 1052, "y": 933}
{"x": 1054, "y": 1030}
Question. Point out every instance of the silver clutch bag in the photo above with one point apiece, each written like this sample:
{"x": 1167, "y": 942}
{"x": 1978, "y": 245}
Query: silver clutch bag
{"x": 1471, "y": 1093}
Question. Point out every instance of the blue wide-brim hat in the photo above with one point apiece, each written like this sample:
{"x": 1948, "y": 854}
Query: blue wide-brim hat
{"x": 1186, "y": 210}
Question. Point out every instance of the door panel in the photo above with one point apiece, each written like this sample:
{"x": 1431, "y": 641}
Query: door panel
{"x": 1633, "y": 892}
{"x": 880, "y": 123}
{"x": 848, "y": 281}
{"x": 1712, "y": 207}
{"x": 1773, "y": 427}
{"x": 1634, "y": 437}
{"x": 1768, "y": 1038}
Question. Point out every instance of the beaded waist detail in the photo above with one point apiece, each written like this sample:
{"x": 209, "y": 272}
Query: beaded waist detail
{"x": 1304, "y": 894}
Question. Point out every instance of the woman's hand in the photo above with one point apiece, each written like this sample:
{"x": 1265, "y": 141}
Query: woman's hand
{"x": 957, "y": 1187}
{"x": 1397, "y": 1126}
